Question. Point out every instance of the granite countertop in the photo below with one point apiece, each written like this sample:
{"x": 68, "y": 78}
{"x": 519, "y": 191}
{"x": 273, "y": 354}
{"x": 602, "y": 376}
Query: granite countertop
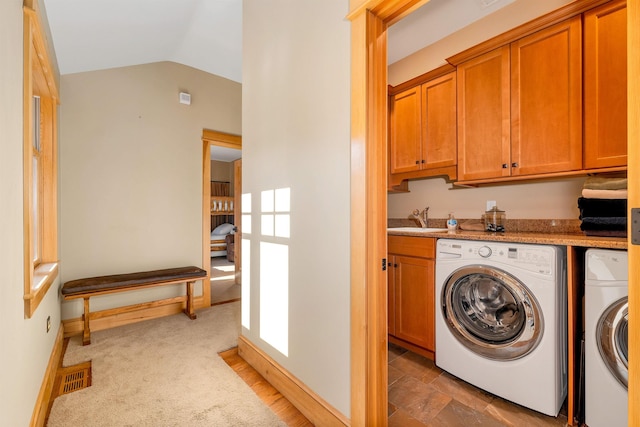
{"x": 545, "y": 232}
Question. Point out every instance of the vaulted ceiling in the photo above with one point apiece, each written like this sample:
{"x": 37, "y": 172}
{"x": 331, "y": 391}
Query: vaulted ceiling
{"x": 207, "y": 34}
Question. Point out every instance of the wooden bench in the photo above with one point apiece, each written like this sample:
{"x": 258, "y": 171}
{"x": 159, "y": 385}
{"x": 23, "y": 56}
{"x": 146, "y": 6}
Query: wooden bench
{"x": 93, "y": 286}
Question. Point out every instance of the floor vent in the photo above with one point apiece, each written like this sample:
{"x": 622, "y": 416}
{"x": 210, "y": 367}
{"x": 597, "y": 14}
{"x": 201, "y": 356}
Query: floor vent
{"x": 73, "y": 378}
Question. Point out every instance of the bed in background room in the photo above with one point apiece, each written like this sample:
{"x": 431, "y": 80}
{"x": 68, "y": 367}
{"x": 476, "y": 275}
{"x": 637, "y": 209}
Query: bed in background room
{"x": 219, "y": 239}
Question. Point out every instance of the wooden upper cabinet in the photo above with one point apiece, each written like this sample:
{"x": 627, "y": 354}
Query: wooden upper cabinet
{"x": 439, "y": 122}
{"x": 405, "y": 133}
{"x": 422, "y": 127}
{"x": 605, "y": 86}
{"x": 546, "y": 100}
{"x": 484, "y": 116}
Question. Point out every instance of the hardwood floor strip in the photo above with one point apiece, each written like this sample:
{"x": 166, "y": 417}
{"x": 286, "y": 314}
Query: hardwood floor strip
{"x": 265, "y": 391}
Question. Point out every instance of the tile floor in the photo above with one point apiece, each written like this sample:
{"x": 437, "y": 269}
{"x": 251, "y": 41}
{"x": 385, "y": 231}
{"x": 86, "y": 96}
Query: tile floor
{"x": 421, "y": 394}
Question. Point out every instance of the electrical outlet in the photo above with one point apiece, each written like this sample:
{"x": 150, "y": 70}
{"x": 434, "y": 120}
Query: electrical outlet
{"x": 48, "y": 323}
{"x": 490, "y": 204}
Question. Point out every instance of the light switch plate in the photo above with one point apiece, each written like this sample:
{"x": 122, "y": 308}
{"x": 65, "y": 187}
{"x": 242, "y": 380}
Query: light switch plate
{"x": 635, "y": 226}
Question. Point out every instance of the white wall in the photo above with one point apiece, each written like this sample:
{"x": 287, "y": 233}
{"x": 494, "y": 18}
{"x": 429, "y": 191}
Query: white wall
{"x": 542, "y": 200}
{"x": 131, "y": 171}
{"x": 296, "y": 125}
{"x": 26, "y": 346}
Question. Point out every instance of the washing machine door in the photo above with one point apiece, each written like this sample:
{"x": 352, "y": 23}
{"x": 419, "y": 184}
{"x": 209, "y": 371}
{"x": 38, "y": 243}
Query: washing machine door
{"x": 491, "y": 313}
{"x": 612, "y": 338}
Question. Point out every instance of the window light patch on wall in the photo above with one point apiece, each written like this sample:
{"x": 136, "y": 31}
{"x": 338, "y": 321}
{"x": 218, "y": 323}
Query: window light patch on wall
{"x": 245, "y": 290}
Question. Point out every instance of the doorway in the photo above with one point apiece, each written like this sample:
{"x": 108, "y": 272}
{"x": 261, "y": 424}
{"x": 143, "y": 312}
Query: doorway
{"x": 221, "y": 191}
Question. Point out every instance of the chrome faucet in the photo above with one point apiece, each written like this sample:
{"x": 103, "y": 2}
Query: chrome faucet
{"x": 421, "y": 217}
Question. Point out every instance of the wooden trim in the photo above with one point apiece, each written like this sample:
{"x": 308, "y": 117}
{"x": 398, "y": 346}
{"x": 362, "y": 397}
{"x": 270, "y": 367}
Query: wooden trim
{"x": 369, "y": 103}
{"x": 40, "y": 44}
{"x": 46, "y": 393}
{"x": 113, "y": 317}
{"x": 551, "y": 18}
{"x": 532, "y": 178}
{"x": 38, "y": 79}
{"x": 222, "y": 139}
{"x": 27, "y": 130}
{"x": 368, "y": 222}
{"x": 389, "y": 11}
{"x": 423, "y": 78}
{"x": 237, "y": 220}
{"x": 573, "y": 327}
{"x": 450, "y": 173}
{"x": 633, "y": 150}
{"x": 206, "y": 216}
{"x": 312, "y": 406}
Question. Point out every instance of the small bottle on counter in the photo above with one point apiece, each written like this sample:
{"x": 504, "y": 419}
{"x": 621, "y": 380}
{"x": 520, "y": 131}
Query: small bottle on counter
{"x": 452, "y": 222}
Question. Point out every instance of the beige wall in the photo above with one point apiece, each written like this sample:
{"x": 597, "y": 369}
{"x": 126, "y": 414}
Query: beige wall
{"x": 534, "y": 200}
{"x": 131, "y": 170}
{"x": 26, "y": 345}
{"x": 222, "y": 171}
{"x": 555, "y": 199}
{"x": 296, "y": 134}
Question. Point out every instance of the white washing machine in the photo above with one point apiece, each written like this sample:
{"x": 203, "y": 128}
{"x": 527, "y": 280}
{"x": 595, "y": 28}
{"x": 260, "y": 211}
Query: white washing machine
{"x": 606, "y": 338}
{"x": 501, "y": 319}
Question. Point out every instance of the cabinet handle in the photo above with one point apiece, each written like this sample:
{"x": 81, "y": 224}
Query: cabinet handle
{"x": 514, "y": 165}
{"x": 417, "y": 162}
{"x": 395, "y": 265}
{"x": 423, "y": 161}
{"x": 504, "y": 166}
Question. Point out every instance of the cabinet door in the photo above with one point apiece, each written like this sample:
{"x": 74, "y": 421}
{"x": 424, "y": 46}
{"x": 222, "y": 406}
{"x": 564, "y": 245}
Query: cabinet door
{"x": 414, "y": 301}
{"x": 439, "y": 122}
{"x": 391, "y": 295}
{"x": 546, "y": 100}
{"x": 484, "y": 116}
{"x": 405, "y": 134}
{"x": 605, "y": 86}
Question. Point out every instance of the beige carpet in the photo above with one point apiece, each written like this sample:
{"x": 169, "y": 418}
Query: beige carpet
{"x": 163, "y": 372}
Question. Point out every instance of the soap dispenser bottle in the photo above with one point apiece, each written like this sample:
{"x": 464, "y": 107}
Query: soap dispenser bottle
{"x": 452, "y": 223}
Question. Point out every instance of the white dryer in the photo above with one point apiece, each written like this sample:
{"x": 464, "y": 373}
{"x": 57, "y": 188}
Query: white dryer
{"x": 501, "y": 319}
{"x": 606, "y": 338}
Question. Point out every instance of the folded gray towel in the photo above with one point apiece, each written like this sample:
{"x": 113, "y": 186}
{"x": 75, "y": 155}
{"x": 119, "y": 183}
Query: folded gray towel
{"x": 600, "y": 183}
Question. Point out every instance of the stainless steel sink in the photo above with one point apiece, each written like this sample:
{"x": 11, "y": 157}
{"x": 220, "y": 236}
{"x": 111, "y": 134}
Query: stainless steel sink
{"x": 417, "y": 229}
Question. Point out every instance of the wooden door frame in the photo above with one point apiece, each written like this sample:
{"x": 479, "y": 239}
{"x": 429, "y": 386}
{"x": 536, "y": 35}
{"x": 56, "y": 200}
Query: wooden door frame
{"x": 369, "y": 21}
{"x": 219, "y": 139}
{"x": 237, "y": 220}
{"x": 633, "y": 177}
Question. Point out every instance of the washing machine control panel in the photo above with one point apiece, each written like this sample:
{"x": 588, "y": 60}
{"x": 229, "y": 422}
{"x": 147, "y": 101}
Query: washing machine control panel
{"x": 535, "y": 258}
{"x": 484, "y": 251}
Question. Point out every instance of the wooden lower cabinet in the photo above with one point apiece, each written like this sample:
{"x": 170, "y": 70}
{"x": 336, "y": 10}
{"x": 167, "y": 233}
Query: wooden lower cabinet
{"x": 411, "y": 294}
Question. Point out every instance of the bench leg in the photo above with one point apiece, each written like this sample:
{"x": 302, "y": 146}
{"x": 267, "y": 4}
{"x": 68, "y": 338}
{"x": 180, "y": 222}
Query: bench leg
{"x": 189, "y": 309}
{"x": 86, "y": 332}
